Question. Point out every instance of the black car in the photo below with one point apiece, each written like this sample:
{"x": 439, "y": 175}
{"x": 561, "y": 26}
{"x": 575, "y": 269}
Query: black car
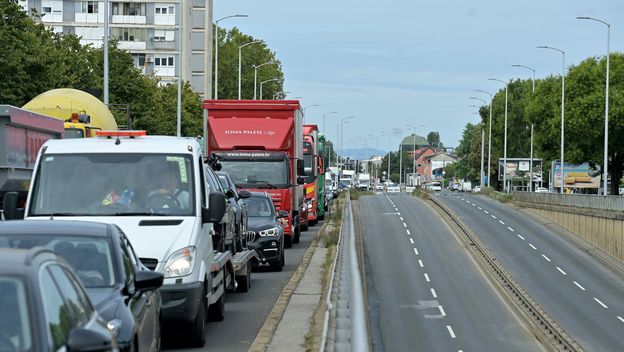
{"x": 265, "y": 229}
{"x": 121, "y": 288}
{"x": 235, "y": 198}
{"x": 225, "y": 230}
{"x": 44, "y": 306}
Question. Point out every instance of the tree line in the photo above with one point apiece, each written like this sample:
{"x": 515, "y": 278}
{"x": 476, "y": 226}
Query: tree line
{"x": 584, "y": 121}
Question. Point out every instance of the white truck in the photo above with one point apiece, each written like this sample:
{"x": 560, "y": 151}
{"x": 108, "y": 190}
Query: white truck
{"x": 154, "y": 189}
{"x": 363, "y": 182}
{"x": 347, "y": 177}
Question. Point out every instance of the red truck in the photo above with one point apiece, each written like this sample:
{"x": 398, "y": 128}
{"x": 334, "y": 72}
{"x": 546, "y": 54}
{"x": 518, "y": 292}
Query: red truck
{"x": 313, "y": 168}
{"x": 21, "y": 135}
{"x": 260, "y": 144}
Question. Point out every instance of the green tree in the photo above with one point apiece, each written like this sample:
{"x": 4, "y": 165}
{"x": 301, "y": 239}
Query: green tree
{"x": 434, "y": 139}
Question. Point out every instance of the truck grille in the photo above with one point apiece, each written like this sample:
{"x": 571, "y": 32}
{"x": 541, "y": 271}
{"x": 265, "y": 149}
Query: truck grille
{"x": 150, "y": 263}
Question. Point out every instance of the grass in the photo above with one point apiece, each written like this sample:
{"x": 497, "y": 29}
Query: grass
{"x": 355, "y": 193}
{"x": 499, "y": 196}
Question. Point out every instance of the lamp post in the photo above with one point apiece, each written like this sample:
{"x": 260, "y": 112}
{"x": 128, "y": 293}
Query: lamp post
{"x": 505, "y": 147}
{"x": 531, "y": 160}
{"x": 341, "y": 129}
{"x": 306, "y": 108}
{"x": 389, "y": 151}
{"x": 263, "y": 82}
{"x": 240, "y": 59}
{"x": 325, "y": 114}
{"x": 562, "y": 105}
{"x": 216, "y": 35}
{"x": 106, "y": 37}
{"x": 489, "y": 135}
{"x": 606, "y": 126}
{"x": 256, "y": 67}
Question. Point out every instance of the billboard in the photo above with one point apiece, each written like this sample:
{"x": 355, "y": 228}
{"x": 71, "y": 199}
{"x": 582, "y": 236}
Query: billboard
{"x": 518, "y": 169}
{"x": 575, "y": 175}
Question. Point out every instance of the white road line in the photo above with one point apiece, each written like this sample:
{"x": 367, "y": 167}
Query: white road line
{"x": 485, "y": 211}
{"x": 415, "y": 251}
{"x": 474, "y": 205}
{"x": 399, "y": 214}
{"x": 493, "y": 217}
{"x": 450, "y": 330}
{"x": 427, "y": 277}
{"x": 479, "y": 208}
{"x": 520, "y": 236}
{"x": 409, "y": 233}
{"x": 545, "y": 257}
{"x": 421, "y": 263}
{"x": 561, "y": 271}
{"x": 579, "y": 285}
{"x": 411, "y": 241}
{"x": 502, "y": 223}
{"x": 599, "y": 302}
{"x": 404, "y": 225}
{"x": 619, "y": 317}
{"x": 532, "y": 246}
{"x": 510, "y": 229}
{"x": 442, "y": 312}
{"x": 400, "y": 217}
{"x": 433, "y": 293}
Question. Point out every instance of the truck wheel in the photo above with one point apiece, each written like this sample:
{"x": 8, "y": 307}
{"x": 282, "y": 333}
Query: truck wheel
{"x": 244, "y": 281}
{"x": 297, "y": 235}
{"x": 216, "y": 311}
{"x": 287, "y": 241}
{"x": 198, "y": 326}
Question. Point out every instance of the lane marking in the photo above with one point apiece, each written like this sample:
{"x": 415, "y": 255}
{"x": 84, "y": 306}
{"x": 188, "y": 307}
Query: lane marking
{"x": 579, "y": 285}
{"x": 409, "y": 233}
{"x": 619, "y": 317}
{"x": 532, "y": 246}
{"x": 442, "y": 312}
{"x": 401, "y": 218}
{"x": 479, "y": 208}
{"x": 485, "y": 211}
{"x": 415, "y": 251}
{"x": 520, "y": 236}
{"x": 399, "y": 214}
{"x": 510, "y": 229}
{"x": 545, "y": 257}
{"x": 427, "y": 277}
{"x": 433, "y": 293}
{"x": 412, "y": 241}
{"x": 421, "y": 263}
{"x": 474, "y": 205}
{"x": 450, "y": 330}
{"x": 501, "y": 222}
{"x": 493, "y": 217}
{"x": 599, "y": 302}
{"x": 404, "y": 225}
{"x": 561, "y": 271}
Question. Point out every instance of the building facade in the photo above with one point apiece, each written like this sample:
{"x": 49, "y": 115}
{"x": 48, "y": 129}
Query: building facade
{"x": 148, "y": 29}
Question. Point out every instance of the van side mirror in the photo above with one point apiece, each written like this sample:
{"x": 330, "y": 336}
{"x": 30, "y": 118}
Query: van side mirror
{"x": 300, "y": 168}
{"x": 9, "y": 204}
{"x": 216, "y": 208}
{"x": 88, "y": 340}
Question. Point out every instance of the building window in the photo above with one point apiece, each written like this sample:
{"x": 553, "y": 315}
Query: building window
{"x": 87, "y": 7}
{"x": 166, "y": 61}
{"x": 165, "y": 10}
{"x": 129, "y": 34}
{"x": 46, "y": 9}
{"x": 161, "y": 35}
{"x": 128, "y": 9}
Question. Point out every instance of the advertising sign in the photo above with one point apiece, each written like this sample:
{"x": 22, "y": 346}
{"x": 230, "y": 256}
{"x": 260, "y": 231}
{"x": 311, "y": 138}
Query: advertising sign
{"x": 518, "y": 169}
{"x": 575, "y": 176}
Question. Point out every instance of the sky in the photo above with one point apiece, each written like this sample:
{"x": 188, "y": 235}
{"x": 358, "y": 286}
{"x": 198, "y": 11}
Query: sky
{"x": 411, "y": 62}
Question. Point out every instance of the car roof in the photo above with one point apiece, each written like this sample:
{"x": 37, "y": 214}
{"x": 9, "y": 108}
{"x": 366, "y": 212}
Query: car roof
{"x": 146, "y": 144}
{"x": 55, "y": 227}
{"x": 17, "y": 261}
{"x": 260, "y": 195}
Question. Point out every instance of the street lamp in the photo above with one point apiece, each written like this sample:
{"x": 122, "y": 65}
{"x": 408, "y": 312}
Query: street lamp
{"x": 216, "y": 35}
{"x": 263, "y": 82}
{"x": 489, "y": 134}
{"x": 325, "y": 114}
{"x": 304, "y": 110}
{"x": 606, "y": 128}
{"x": 389, "y": 151}
{"x": 531, "y": 160}
{"x": 562, "y": 104}
{"x": 482, "y": 139}
{"x": 256, "y": 67}
{"x": 505, "y": 147}
{"x": 341, "y": 129}
{"x": 240, "y": 48}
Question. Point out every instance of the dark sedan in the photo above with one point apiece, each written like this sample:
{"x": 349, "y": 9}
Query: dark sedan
{"x": 122, "y": 289}
{"x": 235, "y": 198}
{"x": 44, "y": 307}
{"x": 265, "y": 229}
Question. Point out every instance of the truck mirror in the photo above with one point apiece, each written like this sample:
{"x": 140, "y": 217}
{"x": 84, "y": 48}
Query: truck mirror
{"x": 216, "y": 208}
{"x": 308, "y": 170}
{"x": 301, "y": 180}
{"x": 300, "y": 168}
{"x": 9, "y": 202}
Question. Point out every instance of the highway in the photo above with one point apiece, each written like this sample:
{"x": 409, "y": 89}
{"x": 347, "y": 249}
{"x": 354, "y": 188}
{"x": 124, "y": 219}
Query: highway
{"x": 246, "y": 312}
{"x": 425, "y": 292}
{"x": 577, "y": 290}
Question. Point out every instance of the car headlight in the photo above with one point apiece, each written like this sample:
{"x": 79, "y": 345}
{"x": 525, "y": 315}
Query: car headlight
{"x": 269, "y": 232}
{"x": 180, "y": 263}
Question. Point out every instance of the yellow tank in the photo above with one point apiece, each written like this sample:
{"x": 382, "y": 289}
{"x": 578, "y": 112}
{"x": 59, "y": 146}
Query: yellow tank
{"x": 62, "y": 103}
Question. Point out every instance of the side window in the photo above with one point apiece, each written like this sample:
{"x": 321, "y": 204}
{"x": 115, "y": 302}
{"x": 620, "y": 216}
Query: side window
{"x": 73, "y": 294}
{"x": 128, "y": 266}
{"x": 202, "y": 182}
{"x": 58, "y": 314}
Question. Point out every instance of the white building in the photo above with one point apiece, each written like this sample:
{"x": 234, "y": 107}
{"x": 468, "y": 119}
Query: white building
{"x": 148, "y": 29}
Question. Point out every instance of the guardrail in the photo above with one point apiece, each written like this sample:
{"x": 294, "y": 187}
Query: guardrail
{"x": 590, "y": 201}
{"x": 345, "y": 325}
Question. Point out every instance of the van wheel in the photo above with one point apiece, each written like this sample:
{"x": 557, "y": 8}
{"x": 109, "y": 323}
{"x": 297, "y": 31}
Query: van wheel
{"x": 216, "y": 311}
{"x": 198, "y": 326}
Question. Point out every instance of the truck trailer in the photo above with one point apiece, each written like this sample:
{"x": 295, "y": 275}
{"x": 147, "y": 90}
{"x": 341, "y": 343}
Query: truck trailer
{"x": 315, "y": 185}
{"x": 260, "y": 144}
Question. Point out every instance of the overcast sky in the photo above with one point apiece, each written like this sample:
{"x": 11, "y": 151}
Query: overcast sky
{"x": 397, "y": 62}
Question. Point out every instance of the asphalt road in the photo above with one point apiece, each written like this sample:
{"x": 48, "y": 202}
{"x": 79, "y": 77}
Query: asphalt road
{"x": 578, "y": 291}
{"x": 425, "y": 292}
{"x": 246, "y": 312}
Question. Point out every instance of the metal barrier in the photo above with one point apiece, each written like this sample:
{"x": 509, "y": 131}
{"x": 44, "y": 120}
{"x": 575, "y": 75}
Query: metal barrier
{"x": 345, "y": 327}
{"x": 591, "y": 201}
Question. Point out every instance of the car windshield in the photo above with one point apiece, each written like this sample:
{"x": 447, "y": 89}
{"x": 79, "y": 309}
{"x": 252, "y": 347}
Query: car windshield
{"x": 113, "y": 184}
{"x": 90, "y": 256}
{"x": 257, "y": 173}
{"x": 15, "y": 328}
{"x": 259, "y": 207}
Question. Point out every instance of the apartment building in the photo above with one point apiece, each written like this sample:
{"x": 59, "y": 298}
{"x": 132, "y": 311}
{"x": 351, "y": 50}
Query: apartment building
{"x": 149, "y": 30}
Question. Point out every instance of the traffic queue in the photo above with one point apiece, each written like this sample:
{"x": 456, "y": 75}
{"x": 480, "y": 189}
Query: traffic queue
{"x": 124, "y": 234}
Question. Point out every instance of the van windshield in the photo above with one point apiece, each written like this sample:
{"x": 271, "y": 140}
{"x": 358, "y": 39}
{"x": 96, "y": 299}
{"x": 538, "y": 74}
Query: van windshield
{"x": 113, "y": 184}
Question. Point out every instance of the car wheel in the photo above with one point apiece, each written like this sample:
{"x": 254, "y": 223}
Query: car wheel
{"x": 216, "y": 311}
{"x": 198, "y": 326}
{"x": 287, "y": 241}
